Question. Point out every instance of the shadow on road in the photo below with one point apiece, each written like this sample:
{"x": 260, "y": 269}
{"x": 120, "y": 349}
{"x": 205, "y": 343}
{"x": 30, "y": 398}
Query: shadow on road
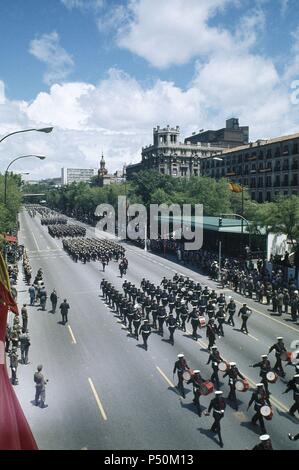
{"x": 209, "y": 434}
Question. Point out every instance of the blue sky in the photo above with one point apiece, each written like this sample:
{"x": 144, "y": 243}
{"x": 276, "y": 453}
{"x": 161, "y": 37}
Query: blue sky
{"x": 105, "y": 72}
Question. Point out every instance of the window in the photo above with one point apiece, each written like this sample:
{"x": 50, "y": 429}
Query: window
{"x": 277, "y": 180}
{"x": 268, "y": 181}
{"x": 253, "y": 183}
{"x": 285, "y": 165}
{"x": 295, "y": 180}
{"x": 253, "y": 196}
{"x": 260, "y": 197}
{"x": 261, "y": 155}
{"x": 260, "y": 182}
{"x": 269, "y": 153}
{"x": 277, "y": 165}
{"x": 285, "y": 150}
{"x": 295, "y": 165}
{"x": 295, "y": 149}
{"x": 268, "y": 197}
{"x": 239, "y": 158}
{"x": 285, "y": 180}
{"x": 285, "y": 193}
{"x": 277, "y": 152}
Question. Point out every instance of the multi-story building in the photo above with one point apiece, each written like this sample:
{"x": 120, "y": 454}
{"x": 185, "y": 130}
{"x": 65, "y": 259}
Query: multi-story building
{"x": 266, "y": 167}
{"x": 77, "y": 175}
{"x": 170, "y": 156}
{"x": 232, "y": 135}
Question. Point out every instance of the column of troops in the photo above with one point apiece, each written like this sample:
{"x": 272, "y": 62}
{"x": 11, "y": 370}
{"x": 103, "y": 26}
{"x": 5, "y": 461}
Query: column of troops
{"x": 93, "y": 249}
{"x": 61, "y": 231}
{"x": 179, "y": 301}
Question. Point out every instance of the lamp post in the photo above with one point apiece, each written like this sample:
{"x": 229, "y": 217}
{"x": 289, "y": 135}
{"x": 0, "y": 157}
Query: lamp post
{"x": 41, "y": 157}
{"x": 46, "y": 130}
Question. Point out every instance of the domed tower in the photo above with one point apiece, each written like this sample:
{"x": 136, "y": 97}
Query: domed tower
{"x": 102, "y": 171}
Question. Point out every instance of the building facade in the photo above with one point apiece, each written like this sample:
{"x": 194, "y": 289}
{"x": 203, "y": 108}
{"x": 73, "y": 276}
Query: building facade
{"x": 232, "y": 135}
{"x": 171, "y": 157}
{"x": 77, "y": 175}
{"x": 267, "y": 168}
{"x": 105, "y": 178}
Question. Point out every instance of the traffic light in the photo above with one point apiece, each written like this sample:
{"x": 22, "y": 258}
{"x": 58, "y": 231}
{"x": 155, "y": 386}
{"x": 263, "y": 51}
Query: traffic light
{"x": 220, "y": 222}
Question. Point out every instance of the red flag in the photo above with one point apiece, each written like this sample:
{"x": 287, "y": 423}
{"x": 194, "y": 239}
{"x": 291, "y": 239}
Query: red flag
{"x": 15, "y": 433}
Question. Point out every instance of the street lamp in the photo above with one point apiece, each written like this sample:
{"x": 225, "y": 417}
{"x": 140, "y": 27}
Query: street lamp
{"x": 41, "y": 157}
{"x": 46, "y": 130}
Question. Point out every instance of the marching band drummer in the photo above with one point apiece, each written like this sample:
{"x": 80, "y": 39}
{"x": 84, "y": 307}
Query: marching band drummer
{"x": 181, "y": 365}
{"x": 233, "y": 373}
{"x": 196, "y": 381}
{"x": 295, "y": 387}
{"x": 218, "y": 405}
{"x": 265, "y": 367}
{"x": 260, "y": 398}
{"x": 279, "y": 348}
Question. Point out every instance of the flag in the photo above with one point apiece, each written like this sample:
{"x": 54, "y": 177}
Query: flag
{"x": 15, "y": 433}
{"x": 235, "y": 188}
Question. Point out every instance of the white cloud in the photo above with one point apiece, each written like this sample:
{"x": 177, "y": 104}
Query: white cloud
{"x": 48, "y": 50}
{"x": 250, "y": 26}
{"x": 173, "y": 31}
{"x": 292, "y": 67}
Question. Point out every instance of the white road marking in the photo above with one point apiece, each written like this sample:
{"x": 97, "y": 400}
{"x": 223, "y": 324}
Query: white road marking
{"x": 35, "y": 241}
{"x": 72, "y": 335}
{"x": 97, "y": 399}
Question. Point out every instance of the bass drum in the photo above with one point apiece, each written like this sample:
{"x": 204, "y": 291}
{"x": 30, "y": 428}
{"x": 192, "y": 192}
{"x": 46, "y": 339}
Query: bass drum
{"x": 267, "y": 412}
{"x": 272, "y": 377}
{"x": 286, "y": 356}
{"x": 187, "y": 374}
{"x": 242, "y": 385}
{"x": 202, "y": 322}
{"x": 223, "y": 366}
{"x": 206, "y": 387}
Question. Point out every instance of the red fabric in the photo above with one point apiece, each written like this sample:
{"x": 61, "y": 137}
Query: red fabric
{"x": 15, "y": 433}
{"x": 10, "y": 238}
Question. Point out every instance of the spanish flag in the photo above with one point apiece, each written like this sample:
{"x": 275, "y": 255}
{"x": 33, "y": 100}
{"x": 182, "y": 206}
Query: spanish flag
{"x": 15, "y": 433}
{"x": 235, "y": 188}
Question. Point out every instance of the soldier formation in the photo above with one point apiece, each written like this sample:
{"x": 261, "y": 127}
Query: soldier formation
{"x": 53, "y": 220}
{"x": 93, "y": 249}
{"x": 60, "y": 231}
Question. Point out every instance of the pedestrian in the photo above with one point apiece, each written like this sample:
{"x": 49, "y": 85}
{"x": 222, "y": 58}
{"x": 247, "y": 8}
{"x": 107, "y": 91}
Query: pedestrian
{"x": 64, "y": 308}
{"x": 218, "y": 405}
{"x": 40, "y": 387}
{"x": 32, "y": 294}
{"x": 53, "y": 299}
{"x": 24, "y": 313}
{"x": 13, "y": 364}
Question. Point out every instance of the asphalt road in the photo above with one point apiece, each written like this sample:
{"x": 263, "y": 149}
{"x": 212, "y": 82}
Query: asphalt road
{"x": 105, "y": 391}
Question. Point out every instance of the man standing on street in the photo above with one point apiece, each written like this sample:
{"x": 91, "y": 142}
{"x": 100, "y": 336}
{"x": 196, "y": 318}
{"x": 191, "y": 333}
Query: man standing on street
{"x": 40, "y": 387}
{"x": 24, "y": 313}
{"x": 64, "y": 308}
{"x": 53, "y": 299}
{"x": 25, "y": 343}
{"x": 245, "y": 312}
{"x": 32, "y": 294}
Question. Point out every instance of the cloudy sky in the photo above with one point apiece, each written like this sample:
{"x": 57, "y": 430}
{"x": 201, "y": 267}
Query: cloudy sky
{"x": 105, "y": 72}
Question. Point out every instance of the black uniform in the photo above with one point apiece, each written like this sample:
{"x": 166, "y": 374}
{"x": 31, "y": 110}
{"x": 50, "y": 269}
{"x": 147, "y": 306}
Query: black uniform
{"x": 193, "y": 316}
{"x": 244, "y": 312}
{"x": 231, "y": 310}
{"x": 279, "y": 348}
{"x": 294, "y": 386}
{"x": 171, "y": 323}
{"x": 233, "y": 373}
{"x": 180, "y": 366}
{"x": 265, "y": 367}
{"x": 260, "y": 398}
{"x": 145, "y": 331}
{"x": 196, "y": 381}
{"x": 218, "y": 405}
{"x": 215, "y": 358}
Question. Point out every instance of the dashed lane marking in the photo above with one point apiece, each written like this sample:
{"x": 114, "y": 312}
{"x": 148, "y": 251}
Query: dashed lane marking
{"x": 97, "y": 399}
{"x": 165, "y": 377}
{"x": 72, "y": 335}
{"x": 35, "y": 241}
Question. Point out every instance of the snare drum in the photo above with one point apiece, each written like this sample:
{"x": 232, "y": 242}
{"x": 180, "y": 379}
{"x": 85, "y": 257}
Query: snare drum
{"x": 286, "y": 356}
{"x": 223, "y": 366}
{"x": 202, "y": 322}
{"x": 266, "y": 412}
{"x": 206, "y": 387}
{"x": 272, "y": 377}
{"x": 242, "y": 385}
{"x": 187, "y": 374}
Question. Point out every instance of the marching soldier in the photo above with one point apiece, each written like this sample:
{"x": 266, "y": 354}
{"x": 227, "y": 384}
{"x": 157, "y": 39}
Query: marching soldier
{"x": 231, "y": 310}
{"x": 279, "y": 348}
{"x": 244, "y": 312}
{"x": 211, "y": 333}
{"x": 196, "y": 380}
{"x": 136, "y": 321}
{"x": 220, "y": 316}
{"x": 265, "y": 443}
{"x": 215, "y": 358}
{"x": 233, "y": 374}
{"x": 210, "y": 309}
{"x": 265, "y": 367}
{"x": 180, "y": 366}
{"x": 161, "y": 318}
{"x": 260, "y": 398}
{"x": 171, "y": 323}
{"x": 193, "y": 316}
{"x": 218, "y": 405}
{"x": 40, "y": 387}
{"x": 184, "y": 315}
{"x": 145, "y": 331}
{"x": 295, "y": 387}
